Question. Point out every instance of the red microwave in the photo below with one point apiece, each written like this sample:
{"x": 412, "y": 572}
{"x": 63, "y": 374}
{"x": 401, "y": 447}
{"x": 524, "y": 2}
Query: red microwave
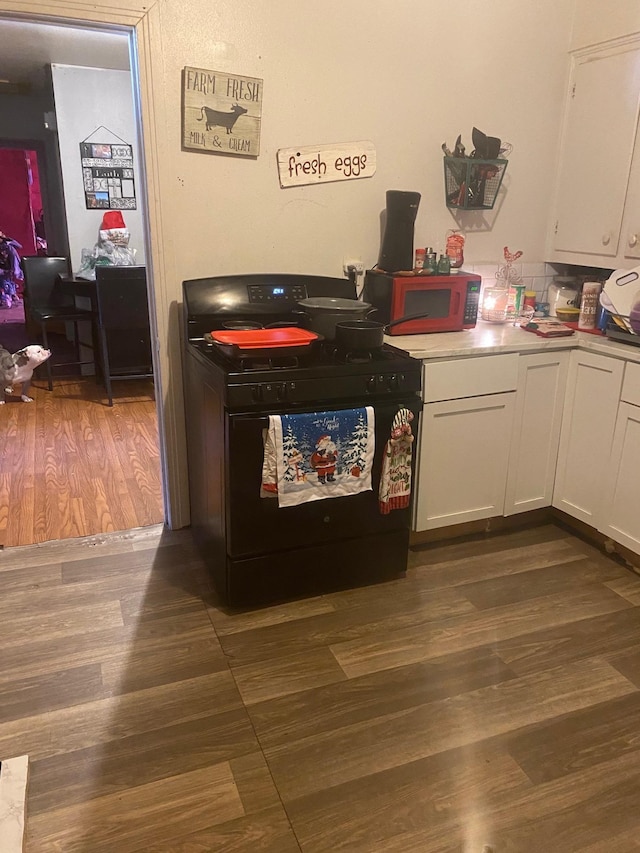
{"x": 419, "y": 304}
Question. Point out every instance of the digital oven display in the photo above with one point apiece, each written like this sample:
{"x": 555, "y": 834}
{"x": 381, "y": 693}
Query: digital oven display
{"x": 261, "y": 293}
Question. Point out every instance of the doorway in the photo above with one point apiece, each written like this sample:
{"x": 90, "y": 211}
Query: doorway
{"x": 21, "y": 203}
{"x": 81, "y": 470}
{"x": 22, "y": 222}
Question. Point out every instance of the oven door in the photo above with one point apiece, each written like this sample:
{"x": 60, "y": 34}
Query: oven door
{"x": 441, "y": 299}
{"x": 257, "y": 525}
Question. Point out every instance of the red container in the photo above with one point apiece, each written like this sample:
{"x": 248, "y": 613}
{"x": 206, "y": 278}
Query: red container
{"x": 265, "y": 338}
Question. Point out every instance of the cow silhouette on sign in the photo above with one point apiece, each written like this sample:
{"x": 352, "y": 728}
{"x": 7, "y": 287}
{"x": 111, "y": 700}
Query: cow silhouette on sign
{"x": 217, "y": 118}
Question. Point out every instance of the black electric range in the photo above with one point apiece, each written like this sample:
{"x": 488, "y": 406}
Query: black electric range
{"x": 257, "y": 551}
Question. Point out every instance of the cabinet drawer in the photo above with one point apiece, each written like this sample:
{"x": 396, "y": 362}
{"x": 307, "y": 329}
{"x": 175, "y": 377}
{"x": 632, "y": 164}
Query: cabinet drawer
{"x": 631, "y": 384}
{"x": 469, "y": 377}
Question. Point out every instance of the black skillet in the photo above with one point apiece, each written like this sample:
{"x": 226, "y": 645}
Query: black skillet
{"x": 366, "y": 335}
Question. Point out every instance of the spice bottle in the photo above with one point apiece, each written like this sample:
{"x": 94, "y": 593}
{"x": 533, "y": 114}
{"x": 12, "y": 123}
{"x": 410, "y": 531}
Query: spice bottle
{"x": 419, "y": 261}
{"x": 430, "y": 262}
{"x": 529, "y": 299}
{"x": 444, "y": 265}
{"x": 589, "y": 304}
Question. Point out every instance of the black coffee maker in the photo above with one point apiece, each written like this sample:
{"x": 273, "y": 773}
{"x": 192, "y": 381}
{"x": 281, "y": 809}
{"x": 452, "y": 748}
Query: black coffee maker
{"x": 396, "y": 252}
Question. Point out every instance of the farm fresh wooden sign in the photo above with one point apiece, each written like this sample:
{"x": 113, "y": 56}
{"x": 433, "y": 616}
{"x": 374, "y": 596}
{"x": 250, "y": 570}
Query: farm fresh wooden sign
{"x": 221, "y": 112}
{"x": 319, "y": 164}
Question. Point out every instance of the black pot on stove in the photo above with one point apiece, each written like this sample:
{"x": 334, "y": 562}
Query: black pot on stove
{"x": 359, "y": 335}
{"x": 321, "y": 314}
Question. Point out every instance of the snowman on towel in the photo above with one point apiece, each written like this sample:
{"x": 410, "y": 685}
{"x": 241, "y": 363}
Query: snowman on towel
{"x": 323, "y": 459}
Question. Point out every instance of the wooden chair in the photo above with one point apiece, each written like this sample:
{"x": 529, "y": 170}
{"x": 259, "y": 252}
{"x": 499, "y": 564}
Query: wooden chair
{"x": 45, "y": 305}
{"x": 123, "y": 334}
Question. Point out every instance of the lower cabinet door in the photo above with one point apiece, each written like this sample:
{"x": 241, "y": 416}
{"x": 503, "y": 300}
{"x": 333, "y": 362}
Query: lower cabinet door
{"x": 593, "y": 391}
{"x": 462, "y": 460}
{"x": 542, "y": 379}
{"x": 621, "y": 505}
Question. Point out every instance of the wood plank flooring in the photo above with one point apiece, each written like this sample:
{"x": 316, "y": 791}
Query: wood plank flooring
{"x": 71, "y": 466}
{"x": 487, "y": 701}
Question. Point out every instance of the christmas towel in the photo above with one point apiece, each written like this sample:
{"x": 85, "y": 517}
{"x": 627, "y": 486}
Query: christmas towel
{"x": 395, "y": 479}
{"x": 318, "y": 455}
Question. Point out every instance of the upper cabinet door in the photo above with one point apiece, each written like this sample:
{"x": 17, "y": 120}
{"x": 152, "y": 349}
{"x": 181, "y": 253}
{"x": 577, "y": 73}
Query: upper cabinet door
{"x": 601, "y": 120}
{"x": 630, "y": 236}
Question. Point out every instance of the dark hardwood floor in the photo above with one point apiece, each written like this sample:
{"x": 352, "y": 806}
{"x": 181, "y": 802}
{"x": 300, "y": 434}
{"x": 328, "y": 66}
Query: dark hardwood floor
{"x": 488, "y": 701}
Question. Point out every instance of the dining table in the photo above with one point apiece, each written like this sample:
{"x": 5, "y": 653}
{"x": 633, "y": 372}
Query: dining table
{"x": 79, "y": 288}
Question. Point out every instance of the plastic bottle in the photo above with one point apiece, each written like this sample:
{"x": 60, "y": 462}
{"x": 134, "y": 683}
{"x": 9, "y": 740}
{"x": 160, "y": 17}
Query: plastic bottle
{"x": 516, "y": 297}
{"x": 589, "y": 304}
{"x": 455, "y": 250}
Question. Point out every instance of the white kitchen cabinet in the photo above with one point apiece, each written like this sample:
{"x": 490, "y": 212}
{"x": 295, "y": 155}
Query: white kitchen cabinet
{"x": 596, "y": 214}
{"x": 464, "y": 450}
{"x": 464, "y": 439}
{"x": 621, "y": 504}
{"x": 591, "y": 403}
{"x": 539, "y": 406}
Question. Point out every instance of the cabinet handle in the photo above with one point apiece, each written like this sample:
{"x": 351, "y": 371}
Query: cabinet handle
{"x": 633, "y": 240}
{"x": 606, "y": 238}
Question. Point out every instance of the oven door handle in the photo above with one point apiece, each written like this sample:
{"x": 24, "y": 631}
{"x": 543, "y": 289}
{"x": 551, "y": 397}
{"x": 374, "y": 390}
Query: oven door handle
{"x": 236, "y": 420}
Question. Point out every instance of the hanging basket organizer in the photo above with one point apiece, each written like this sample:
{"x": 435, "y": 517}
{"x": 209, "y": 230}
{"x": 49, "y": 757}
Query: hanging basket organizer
{"x": 471, "y": 184}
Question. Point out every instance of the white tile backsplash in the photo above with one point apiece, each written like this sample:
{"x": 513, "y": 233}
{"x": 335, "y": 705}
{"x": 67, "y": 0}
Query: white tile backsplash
{"x": 536, "y": 276}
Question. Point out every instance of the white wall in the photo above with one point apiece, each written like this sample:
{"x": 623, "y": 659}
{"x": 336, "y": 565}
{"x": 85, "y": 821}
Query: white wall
{"x": 597, "y": 22}
{"x": 406, "y": 74}
{"x": 85, "y": 99}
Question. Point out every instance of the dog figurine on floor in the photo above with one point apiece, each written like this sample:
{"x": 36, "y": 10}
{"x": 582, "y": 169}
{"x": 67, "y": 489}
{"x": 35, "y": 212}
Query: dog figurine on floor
{"x": 17, "y": 369}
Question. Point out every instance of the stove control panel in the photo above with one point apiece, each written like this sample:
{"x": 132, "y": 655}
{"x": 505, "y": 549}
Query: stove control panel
{"x": 273, "y": 392}
{"x": 311, "y": 391}
{"x": 287, "y": 294}
{"x": 387, "y": 383}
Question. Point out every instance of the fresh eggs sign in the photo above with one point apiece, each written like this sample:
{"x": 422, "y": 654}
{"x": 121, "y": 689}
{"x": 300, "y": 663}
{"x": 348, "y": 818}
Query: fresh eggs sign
{"x": 221, "y": 112}
{"x": 319, "y": 164}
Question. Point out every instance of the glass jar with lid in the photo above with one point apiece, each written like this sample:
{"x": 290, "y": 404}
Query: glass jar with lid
{"x": 563, "y": 293}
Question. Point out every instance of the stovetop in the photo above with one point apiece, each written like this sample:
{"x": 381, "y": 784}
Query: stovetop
{"x": 322, "y": 356}
{"x": 387, "y": 372}
{"x": 318, "y": 374}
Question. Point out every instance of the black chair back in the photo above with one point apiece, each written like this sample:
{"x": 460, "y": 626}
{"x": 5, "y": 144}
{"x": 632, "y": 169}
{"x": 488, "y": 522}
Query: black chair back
{"x": 122, "y": 323}
{"x": 40, "y": 274}
{"x": 121, "y": 297}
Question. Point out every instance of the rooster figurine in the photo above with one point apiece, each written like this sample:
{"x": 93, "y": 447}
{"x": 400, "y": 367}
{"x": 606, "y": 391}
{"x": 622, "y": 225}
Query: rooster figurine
{"x": 511, "y": 257}
{"x": 506, "y": 273}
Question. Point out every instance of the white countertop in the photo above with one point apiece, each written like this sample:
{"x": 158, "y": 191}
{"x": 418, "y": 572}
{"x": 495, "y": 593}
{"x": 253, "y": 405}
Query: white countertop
{"x": 489, "y": 338}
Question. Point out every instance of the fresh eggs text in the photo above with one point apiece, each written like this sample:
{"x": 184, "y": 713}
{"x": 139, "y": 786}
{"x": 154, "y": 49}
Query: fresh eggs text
{"x": 349, "y": 166}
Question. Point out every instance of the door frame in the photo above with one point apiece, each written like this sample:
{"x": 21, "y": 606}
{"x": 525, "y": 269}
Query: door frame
{"x": 142, "y": 17}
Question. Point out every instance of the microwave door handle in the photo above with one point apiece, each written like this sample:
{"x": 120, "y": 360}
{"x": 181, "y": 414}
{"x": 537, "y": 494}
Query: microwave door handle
{"x": 456, "y": 310}
{"x": 406, "y": 319}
